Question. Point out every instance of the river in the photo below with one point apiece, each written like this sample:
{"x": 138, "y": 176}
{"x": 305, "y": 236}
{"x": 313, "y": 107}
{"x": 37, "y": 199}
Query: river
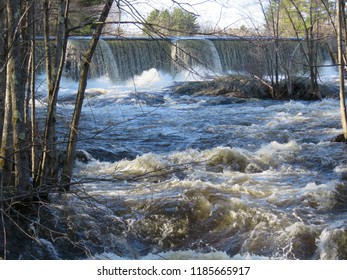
{"x": 169, "y": 176}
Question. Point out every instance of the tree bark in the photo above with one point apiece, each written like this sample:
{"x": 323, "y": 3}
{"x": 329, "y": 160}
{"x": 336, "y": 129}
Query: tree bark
{"x": 5, "y": 103}
{"x": 73, "y": 135}
{"x": 48, "y": 139}
{"x": 340, "y": 13}
{"x": 312, "y": 54}
{"x": 15, "y": 82}
{"x": 2, "y": 62}
{"x": 26, "y": 20}
{"x": 34, "y": 151}
{"x": 6, "y": 148}
{"x": 47, "y": 173}
{"x": 31, "y": 108}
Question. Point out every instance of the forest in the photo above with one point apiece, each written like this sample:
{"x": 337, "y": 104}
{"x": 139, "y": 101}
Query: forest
{"x": 33, "y": 163}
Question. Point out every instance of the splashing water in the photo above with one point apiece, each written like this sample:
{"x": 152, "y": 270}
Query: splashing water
{"x": 197, "y": 177}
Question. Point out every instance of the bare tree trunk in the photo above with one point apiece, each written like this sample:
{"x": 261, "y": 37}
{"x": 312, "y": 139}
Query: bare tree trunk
{"x": 2, "y": 62}
{"x": 273, "y": 22}
{"x": 30, "y": 100}
{"x": 48, "y": 147}
{"x": 47, "y": 173}
{"x": 3, "y": 59}
{"x": 312, "y": 54}
{"x": 5, "y": 102}
{"x": 15, "y": 81}
{"x": 340, "y": 8}
{"x": 26, "y": 52}
{"x": 276, "y": 33}
{"x": 344, "y": 33}
{"x": 6, "y": 148}
{"x": 73, "y": 135}
{"x": 34, "y": 153}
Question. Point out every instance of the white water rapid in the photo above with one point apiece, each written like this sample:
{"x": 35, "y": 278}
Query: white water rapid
{"x": 200, "y": 177}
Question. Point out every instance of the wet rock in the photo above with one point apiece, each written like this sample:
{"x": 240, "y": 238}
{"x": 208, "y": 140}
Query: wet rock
{"x": 241, "y": 86}
{"x": 112, "y": 156}
{"x": 40, "y": 249}
{"x": 231, "y": 86}
{"x": 83, "y": 156}
{"x": 339, "y": 139}
{"x": 16, "y": 241}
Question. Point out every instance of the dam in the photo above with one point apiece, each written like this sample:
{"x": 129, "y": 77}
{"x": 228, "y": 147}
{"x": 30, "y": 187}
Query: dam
{"x": 121, "y": 59}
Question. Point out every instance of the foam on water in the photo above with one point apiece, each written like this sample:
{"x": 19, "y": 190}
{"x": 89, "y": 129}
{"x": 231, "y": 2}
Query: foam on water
{"x": 332, "y": 243}
{"x": 104, "y": 88}
{"x": 151, "y": 80}
{"x": 184, "y": 255}
{"x": 186, "y": 178}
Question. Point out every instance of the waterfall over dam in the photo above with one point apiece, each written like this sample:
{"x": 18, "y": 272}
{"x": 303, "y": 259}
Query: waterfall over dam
{"x": 121, "y": 59}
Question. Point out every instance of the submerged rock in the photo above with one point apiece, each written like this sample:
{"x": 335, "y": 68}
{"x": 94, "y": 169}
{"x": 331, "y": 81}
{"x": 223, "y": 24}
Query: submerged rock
{"x": 339, "y": 139}
{"x": 83, "y": 156}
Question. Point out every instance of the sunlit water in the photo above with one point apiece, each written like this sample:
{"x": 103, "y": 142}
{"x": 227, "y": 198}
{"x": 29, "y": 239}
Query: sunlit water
{"x": 204, "y": 177}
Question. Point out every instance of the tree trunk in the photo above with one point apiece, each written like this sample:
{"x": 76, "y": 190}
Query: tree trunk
{"x": 25, "y": 32}
{"x": 340, "y": 13}
{"x": 48, "y": 139}
{"x": 312, "y": 61}
{"x": 31, "y": 108}
{"x": 15, "y": 82}
{"x": 312, "y": 55}
{"x": 2, "y": 63}
{"x": 34, "y": 151}
{"x": 6, "y": 147}
{"x": 47, "y": 173}
{"x": 73, "y": 135}
{"x": 3, "y": 59}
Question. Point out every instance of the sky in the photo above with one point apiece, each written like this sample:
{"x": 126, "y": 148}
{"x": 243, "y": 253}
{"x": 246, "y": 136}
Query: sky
{"x": 212, "y": 13}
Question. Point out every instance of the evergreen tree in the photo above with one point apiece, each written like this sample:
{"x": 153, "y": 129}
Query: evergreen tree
{"x": 177, "y": 22}
{"x": 185, "y": 21}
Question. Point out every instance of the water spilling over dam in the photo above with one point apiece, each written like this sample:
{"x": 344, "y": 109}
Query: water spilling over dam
{"x": 122, "y": 59}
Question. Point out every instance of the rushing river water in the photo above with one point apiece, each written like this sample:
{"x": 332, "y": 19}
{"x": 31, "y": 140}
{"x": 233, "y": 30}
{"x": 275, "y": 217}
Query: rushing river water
{"x": 177, "y": 176}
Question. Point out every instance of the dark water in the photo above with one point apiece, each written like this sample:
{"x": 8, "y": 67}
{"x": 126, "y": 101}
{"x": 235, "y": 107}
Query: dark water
{"x": 204, "y": 177}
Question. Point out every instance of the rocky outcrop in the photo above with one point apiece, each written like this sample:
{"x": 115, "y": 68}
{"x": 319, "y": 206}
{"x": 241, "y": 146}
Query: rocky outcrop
{"x": 239, "y": 86}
